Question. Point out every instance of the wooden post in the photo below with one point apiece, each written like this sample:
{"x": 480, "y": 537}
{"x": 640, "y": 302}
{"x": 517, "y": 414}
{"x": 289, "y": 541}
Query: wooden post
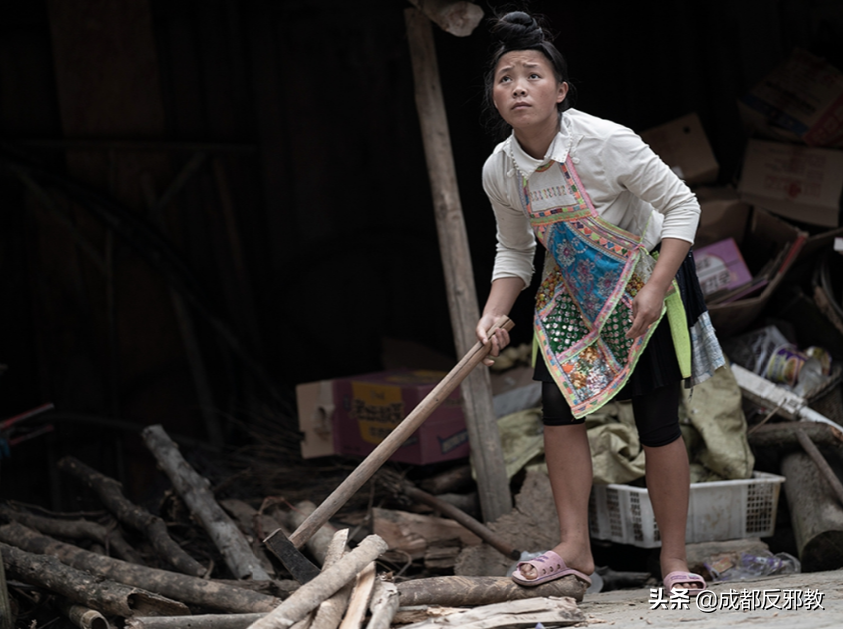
{"x": 486, "y": 453}
{"x": 457, "y": 18}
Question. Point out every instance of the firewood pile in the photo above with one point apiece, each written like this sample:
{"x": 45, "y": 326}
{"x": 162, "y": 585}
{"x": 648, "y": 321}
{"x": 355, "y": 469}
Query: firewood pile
{"x": 209, "y": 562}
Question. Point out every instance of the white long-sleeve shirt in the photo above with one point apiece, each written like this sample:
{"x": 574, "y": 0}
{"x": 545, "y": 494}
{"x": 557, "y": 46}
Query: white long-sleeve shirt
{"x": 629, "y": 185}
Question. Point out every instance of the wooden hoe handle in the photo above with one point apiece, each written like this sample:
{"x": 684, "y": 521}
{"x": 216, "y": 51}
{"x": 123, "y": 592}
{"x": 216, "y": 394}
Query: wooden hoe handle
{"x": 394, "y": 439}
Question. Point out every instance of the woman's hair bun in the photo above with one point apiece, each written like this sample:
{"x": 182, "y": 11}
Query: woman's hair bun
{"x": 517, "y": 30}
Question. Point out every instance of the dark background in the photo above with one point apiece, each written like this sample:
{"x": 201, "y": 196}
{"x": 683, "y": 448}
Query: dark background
{"x": 308, "y": 231}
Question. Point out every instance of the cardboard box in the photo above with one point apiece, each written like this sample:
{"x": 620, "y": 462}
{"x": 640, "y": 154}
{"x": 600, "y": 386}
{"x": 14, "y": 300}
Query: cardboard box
{"x": 801, "y": 100}
{"x": 682, "y": 145}
{"x": 351, "y": 416}
{"x": 760, "y": 238}
{"x": 720, "y": 266}
{"x": 800, "y": 183}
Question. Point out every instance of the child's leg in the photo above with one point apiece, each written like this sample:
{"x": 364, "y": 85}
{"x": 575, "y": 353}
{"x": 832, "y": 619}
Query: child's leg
{"x": 668, "y": 475}
{"x": 568, "y": 459}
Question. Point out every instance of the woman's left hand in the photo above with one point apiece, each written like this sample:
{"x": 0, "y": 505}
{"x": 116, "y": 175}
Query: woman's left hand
{"x": 646, "y": 308}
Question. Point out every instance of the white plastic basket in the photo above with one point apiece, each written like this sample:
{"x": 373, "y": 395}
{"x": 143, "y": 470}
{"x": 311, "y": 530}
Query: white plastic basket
{"x": 720, "y": 510}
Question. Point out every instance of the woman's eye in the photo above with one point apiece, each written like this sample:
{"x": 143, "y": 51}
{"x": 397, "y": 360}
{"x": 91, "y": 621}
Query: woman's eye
{"x": 534, "y": 76}
{"x": 505, "y": 79}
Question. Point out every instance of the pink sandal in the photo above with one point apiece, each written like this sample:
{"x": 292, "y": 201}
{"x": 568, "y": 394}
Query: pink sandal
{"x": 549, "y": 566}
{"x": 673, "y": 578}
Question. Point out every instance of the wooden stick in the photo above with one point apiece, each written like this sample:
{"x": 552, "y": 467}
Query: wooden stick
{"x": 470, "y": 591}
{"x": 204, "y": 621}
{"x": 822, "y": 465}
{"x": 782, "y": 436}
{"x": 188, "y": 589}
{"x": 154, "y": 528}
{"x": 333, "y": 553}
{"x": 252, "y": 524}
{"x": 330, "y": 611}
{"x": 483, "y": 434}
{"x": 394, "y": 439}
{"x": 85, "y": 617}
{"x": 75, "y": 529}
{"x": 558, "y": 612}
{"x": 359, "y": 601}
{"x": 384, "y": 605}
{"x": 108, "y": 597}
{"x": 311, "y": 594}
{"x": 197, "y": 495}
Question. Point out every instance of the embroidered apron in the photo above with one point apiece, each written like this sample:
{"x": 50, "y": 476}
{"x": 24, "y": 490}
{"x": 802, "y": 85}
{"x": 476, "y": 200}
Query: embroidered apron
{"x": 584, "y": 305}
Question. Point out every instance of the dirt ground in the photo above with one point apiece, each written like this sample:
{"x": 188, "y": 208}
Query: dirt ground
{"x": 632, "y": 609}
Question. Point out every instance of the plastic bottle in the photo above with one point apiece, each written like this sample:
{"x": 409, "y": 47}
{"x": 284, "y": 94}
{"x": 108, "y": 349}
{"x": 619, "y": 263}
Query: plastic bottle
{"x": 811, "y": 377}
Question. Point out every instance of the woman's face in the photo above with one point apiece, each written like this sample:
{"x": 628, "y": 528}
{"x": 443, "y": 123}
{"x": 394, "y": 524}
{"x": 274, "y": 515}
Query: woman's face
{"x": 525, "y": 90}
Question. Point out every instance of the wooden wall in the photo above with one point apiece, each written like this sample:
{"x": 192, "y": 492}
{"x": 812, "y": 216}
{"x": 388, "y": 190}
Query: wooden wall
{"x": 316, "y": 240}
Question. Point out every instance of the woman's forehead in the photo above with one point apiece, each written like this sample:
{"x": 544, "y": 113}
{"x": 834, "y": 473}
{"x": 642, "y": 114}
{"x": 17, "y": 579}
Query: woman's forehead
{"x": 521, "y": 58}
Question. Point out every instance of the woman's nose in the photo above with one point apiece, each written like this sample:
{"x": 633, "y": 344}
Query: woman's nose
{"x": 518, "y": 90}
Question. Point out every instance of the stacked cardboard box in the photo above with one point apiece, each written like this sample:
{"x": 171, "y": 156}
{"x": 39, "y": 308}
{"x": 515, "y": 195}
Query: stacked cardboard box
{"x": 352, "y": 415}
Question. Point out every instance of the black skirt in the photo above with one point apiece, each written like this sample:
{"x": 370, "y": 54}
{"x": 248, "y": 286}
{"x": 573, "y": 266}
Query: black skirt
{"x": 657, "y": 366}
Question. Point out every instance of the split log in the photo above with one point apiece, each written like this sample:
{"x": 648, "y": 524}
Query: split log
{"x": 473, "y": 591}
{"x": 311, "y": 594}
{"x": 385, "y": 601}
{"x": 108, "y": 597}
{"x": 453, "y": 480}
{"x": 555, "y": 611}
{"x": 815, "y": 514}
{"x": 195, "y": 490}
{"x": 182, "y": 587}
{"x": 457, "y": 18}
{"x": 321, "y": 539}
{"x": 204, "y": 621}
{"x": 360, "y": 596}
{"x": 75, "y": 529}
{"x": 782, "y": 436}
{"x": 335, "y": 551}
{"x": 412, "y": 532}
{"x": 151, "y": 526}
{"x": 87, "y": 618}
{"x": 330, "y": 611}
{"x": 253, "y": 525}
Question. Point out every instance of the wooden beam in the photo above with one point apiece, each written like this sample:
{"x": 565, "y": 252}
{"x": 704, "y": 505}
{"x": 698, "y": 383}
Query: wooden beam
{"x": 486, "y": 454}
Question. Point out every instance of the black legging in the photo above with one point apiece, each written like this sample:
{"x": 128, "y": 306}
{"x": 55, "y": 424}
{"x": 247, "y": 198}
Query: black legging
{"x": 656, "y": 413}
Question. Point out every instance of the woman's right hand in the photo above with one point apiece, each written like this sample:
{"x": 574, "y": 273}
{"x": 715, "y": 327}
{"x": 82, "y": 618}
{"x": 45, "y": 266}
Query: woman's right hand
{"x": 499, "y": 339}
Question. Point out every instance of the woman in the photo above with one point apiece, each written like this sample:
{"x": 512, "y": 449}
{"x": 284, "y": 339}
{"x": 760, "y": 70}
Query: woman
{"x": 617, "y": 226}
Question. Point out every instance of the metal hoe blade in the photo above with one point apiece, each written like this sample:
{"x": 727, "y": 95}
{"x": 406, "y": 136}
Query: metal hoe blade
{"x": 302, "y": 569}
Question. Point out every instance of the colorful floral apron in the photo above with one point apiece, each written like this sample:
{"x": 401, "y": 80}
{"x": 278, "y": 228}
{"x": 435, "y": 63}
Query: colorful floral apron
{"x": 584, "y": 304}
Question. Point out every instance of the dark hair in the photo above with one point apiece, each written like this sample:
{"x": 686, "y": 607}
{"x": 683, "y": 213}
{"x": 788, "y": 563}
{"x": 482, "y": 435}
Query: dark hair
{"x": 518, "y": 30}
